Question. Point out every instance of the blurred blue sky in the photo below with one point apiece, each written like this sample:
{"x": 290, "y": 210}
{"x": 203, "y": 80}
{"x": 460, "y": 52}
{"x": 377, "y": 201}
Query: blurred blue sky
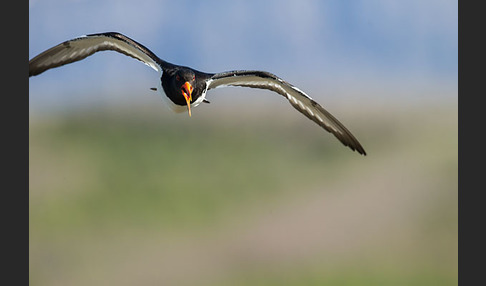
{"x": 377, "y": 42}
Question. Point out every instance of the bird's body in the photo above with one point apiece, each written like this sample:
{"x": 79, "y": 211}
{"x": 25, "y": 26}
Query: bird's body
{"x": 184, "y": 88}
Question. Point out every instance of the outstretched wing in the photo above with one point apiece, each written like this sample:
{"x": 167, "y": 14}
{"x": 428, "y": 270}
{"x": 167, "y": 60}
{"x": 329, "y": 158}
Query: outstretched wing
{"x": 79, "y": 48}
{"x": 299, "y": 100}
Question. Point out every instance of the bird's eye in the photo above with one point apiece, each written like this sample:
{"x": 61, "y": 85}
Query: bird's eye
{"x": 178, "y": 78}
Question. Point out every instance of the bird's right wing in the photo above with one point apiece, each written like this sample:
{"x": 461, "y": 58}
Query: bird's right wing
{"x": 79, "y": 48}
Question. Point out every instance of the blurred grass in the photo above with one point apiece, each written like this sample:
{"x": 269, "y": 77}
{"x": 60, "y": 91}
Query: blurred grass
{"x": 96, "y": 176}
{"x": 360, "y": 273}
{"x": 129, "y": 171}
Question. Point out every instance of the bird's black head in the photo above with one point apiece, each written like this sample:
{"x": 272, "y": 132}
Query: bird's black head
{"x": 179, "y": 85}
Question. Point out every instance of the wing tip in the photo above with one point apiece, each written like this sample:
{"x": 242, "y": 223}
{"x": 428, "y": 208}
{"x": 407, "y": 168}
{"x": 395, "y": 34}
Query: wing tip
{"x": 353, "y": 144}
{"x": 361, "y": 151}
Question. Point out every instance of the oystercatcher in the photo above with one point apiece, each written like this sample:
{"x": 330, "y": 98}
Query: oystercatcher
{"x": 183, "y": 87}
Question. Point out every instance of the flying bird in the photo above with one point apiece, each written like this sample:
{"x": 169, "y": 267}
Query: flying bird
{"x": 182, "y": 87}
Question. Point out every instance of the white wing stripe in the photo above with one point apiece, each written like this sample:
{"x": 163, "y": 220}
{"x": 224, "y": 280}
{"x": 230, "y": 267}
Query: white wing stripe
{"x": 137, "y": 54}
{"x": 309, "y": 110}
{"x": 82, "y": 47}
{"x": 294, "y": 99}
{"x": 302, "y": 106}
{"x": 299, "y": 100}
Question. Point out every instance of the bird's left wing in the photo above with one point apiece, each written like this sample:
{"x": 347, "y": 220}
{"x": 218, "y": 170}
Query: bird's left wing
{"x": 297, "y": 98}
{"x": 79, "y": 48}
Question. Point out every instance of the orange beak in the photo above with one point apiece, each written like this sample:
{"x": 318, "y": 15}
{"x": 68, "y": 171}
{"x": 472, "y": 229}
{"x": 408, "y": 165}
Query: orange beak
{"x": 187, "y": 89}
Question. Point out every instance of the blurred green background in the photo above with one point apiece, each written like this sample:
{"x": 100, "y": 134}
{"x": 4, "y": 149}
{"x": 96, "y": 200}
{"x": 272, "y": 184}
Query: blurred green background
{"x": 247, "y": 191}
{"x": 125, "y": 196}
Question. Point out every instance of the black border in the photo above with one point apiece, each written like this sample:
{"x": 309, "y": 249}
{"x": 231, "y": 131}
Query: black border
{"x": 15, "y": 142}
{"x": 471, "y": 124}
